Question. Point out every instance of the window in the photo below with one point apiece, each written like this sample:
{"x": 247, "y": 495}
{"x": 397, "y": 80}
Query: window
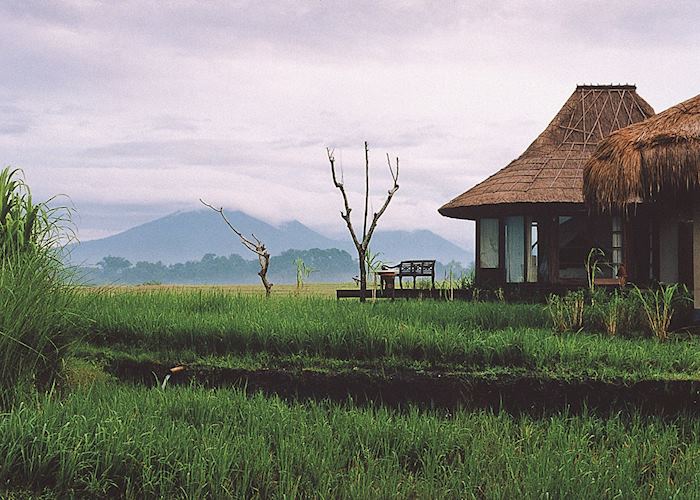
{"x": 573, "y": 247}
{"x": 488, "y": 243}
{"x": 616, "y": 244}
{"x": 531, "y": 244}
{"x": 515, "y": 249}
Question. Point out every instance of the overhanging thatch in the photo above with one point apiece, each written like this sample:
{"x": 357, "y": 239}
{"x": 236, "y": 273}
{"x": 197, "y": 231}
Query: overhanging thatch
{"x": 657, "y": 157}
{"x": 551, "y": 169}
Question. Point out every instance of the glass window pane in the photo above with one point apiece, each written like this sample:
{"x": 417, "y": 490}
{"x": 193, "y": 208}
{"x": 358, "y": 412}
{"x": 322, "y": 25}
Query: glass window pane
{"x": 573, "y": 247}
{"x": 616, "y": 223}
{"x": 617, "y": 256}
{"x": 515, "y": 249}
{"x": 488, "y": 243}
{"x": 532, "y": 257}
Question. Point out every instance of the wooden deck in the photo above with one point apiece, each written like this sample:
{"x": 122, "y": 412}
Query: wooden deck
{"x": 518, "y": 292}
{"x": 402, "y": 293}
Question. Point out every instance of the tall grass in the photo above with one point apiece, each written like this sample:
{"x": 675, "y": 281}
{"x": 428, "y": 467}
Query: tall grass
{"x": 658, "y": 308}
{"x": 566, "y": 312}
{"x": 36, "y": 321}
{"x": 35, "y": 297}
{"x": 191, "y": 443}
{"x": 472, "y": 336}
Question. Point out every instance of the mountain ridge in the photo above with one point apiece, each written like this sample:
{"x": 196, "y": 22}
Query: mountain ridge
{"x": 189, "y": 235}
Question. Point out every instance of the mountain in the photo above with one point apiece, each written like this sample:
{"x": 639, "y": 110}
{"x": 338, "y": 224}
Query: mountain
{"x": 188, "y": 236}
{"x": 395, "y": 246}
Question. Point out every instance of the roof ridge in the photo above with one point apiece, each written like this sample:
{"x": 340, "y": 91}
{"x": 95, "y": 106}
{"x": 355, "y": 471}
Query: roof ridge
{"x": 550, "y": 170}
{"x": 607, "y": 86}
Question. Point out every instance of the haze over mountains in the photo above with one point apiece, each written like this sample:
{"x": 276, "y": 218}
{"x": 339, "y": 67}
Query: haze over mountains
{"x": 188, "y": 236}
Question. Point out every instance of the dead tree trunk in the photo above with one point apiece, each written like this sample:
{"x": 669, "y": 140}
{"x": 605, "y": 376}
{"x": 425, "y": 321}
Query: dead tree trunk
{"x": 256, "y": 247}
{"x": 363, "y": 244}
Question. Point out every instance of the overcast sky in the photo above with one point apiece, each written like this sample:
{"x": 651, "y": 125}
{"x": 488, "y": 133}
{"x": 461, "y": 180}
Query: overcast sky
{"x": 137, "y": 109}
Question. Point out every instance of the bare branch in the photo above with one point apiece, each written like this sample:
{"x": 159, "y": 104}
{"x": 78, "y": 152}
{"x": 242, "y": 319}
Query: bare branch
{"x": 394, "y": 175}
{"x": 259, "y": 243}
{"x": 362, "y": 246}
{"x": 390, "y": 195}
{"x": 341, "y": 187}
{"x": 364, "y": 225}
{"x": 245, "y": 241}
{"x": 257, "y": 248}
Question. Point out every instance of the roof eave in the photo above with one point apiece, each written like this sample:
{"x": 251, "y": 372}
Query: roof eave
{"x": 474, "y": 212}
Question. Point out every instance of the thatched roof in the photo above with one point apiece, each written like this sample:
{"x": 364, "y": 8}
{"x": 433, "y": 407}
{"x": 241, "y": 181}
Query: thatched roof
{"x": 551, "y": 169}
{"x": 659, "y": 156}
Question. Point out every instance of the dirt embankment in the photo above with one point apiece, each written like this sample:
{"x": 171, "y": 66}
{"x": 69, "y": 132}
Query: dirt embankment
{"x": 434, "y": 389}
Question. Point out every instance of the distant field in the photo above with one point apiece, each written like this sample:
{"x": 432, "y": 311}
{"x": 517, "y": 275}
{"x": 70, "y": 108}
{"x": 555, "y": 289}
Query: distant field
{"x": 309, "y": 289}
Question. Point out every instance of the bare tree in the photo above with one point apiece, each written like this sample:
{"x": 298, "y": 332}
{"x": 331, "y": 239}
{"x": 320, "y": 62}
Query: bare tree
{"x": 257, "y": 247}
{"x": 363, "y": 244}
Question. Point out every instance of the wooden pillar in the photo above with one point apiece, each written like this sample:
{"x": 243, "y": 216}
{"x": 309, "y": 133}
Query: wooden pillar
{"x": 696, "y": 260}
{"x": 553, "y": 244}
{"x": 502, "y": 249}
{"x": 628, "y": 247}
{"x": 477, "y": 252}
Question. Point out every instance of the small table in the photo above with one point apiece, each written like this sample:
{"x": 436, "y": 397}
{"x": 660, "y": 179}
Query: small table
{"x": 387, "y": 280}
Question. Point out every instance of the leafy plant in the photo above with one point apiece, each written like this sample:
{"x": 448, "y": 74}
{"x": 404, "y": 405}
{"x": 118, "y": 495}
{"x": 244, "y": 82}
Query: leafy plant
{"x": 612, "y": 312}
{"x": 593, "y": 268}
{"x": 616, "y": 314}
{"x": 303, "y": 272}
{"x": 447, "y": 285}
{"x": 374, "y": 265}
{"x": 36, "y": 295}
{"x": 162, "y": 384}
{"x": 658, "y": 308}
{"x": 566, "y": 312}
{"x": 27, "y": 226}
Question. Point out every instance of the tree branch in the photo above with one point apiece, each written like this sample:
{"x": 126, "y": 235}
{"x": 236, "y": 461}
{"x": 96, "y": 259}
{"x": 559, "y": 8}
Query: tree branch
{"x": 362, "y": 246}
{"x": 245, "y": 241}
{"x": 390, "y": 195}
{"x": 364, "y": 225}
{"x": 341, "y": 187}
{"x": 257, "y": 248}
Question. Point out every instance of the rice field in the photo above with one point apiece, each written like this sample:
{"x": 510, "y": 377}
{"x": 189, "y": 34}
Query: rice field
{"x": 117, "y": 441}
{"x": 197, "y": 324}
{"x": 96, "y": 437}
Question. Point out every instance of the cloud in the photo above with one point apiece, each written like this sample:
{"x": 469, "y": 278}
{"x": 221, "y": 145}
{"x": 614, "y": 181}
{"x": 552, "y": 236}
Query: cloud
{"x": 152, "y": 105}
{"x": 14, "y": 120}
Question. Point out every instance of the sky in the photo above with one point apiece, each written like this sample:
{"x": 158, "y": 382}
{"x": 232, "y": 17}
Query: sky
{"x": 137, "y": 109}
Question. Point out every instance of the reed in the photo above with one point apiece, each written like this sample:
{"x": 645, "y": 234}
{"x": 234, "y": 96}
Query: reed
{"x": 36, "y": 295}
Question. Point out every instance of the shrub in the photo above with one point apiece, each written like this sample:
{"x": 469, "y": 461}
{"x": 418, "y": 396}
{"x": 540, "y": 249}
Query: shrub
{"x": 617, "y": 314}
{"x": 35, "y": 291}
{"x": 659, "y": 306}
{"x": 566, "y": 312}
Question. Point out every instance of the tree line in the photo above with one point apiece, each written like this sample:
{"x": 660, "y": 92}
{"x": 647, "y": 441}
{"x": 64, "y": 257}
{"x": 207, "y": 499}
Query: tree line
{"x": 328, "y": 265}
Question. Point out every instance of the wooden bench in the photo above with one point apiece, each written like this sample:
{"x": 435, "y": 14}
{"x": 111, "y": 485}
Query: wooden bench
{"x": 414, "y": 269}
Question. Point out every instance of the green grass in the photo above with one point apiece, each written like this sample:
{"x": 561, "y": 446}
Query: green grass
{"x": 194, "y": 326}
{"x": 36, "y": 296}
{"x": 36, "y": 321}
{"x": 137, "y": 442}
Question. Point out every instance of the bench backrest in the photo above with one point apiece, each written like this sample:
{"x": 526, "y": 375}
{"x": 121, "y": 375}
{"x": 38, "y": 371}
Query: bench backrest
{"x": 417, "y": 268}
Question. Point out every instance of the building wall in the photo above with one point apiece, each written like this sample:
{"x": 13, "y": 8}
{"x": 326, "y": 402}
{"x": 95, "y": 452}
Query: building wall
{"x": 668, "y": 251}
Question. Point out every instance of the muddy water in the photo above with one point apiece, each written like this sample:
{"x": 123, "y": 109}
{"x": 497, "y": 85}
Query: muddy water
{"x": 398, "y": 389}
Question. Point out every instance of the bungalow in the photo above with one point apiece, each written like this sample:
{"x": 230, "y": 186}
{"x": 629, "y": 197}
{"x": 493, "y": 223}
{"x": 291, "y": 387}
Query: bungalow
{"x": 532, "y": 226}
{"x": 653, "y": 168}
